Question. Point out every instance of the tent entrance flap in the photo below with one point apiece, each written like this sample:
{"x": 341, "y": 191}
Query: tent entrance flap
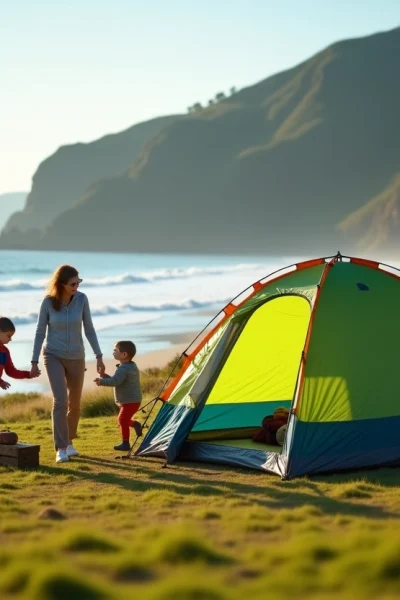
{"x": 261, "y": 370}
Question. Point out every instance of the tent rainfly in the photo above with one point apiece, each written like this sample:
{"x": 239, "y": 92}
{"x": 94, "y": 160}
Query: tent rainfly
{"x": 321, "y": 338}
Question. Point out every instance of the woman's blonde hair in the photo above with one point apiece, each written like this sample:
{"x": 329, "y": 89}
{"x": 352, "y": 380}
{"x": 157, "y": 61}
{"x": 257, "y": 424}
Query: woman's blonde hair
{"x": 60, "y": 277}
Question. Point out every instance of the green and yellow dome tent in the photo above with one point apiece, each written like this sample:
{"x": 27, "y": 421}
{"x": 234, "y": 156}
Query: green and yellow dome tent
{"x": 321, "y": 338}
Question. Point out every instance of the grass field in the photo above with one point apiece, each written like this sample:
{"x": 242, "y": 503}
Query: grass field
{"x": 101, "y": 528}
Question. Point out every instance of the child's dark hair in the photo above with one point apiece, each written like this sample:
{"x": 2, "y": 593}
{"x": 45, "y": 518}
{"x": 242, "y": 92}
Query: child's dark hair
{"x": 6, "y": 324}
{"x": 128, "y": 347}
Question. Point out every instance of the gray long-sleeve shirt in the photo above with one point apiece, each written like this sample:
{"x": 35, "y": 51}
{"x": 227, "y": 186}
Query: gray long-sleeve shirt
{"x": 126, "y": 383}
{"x": 64, "y": 329}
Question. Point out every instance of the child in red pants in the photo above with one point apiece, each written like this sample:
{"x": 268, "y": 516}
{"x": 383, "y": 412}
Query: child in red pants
{"x": 127, "y": 390}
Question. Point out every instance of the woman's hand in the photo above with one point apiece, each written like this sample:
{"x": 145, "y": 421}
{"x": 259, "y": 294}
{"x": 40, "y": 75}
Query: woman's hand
{"x": 97, "y": 381}
{"x": 35, "y": 371}
{"x": 4, "y": 385}
{"x": 100, "y": 366}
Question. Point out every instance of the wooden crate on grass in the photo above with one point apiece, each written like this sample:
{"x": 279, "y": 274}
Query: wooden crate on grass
{"x": 19, "y": 455}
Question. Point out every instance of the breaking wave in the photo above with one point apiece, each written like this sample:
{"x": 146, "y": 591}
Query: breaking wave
{"x": 28, "y": 271}
{"x": 14, "y": 285}
{"x": 104, "y": 311}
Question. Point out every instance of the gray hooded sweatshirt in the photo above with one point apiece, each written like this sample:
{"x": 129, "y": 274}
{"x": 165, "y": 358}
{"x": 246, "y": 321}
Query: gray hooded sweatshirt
{"x": 126, "y": 383}
{"x": 64, "y": 329}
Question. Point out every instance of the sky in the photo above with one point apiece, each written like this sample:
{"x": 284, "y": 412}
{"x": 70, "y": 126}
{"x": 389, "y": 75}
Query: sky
{"x": 76, "y": 70}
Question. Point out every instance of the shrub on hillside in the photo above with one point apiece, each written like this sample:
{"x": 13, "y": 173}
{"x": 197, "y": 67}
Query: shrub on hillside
{"x": 154, "y": 378}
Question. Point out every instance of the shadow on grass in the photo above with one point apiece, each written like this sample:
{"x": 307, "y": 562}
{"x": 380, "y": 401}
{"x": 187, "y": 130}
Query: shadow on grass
{"x": 186, "y": 482}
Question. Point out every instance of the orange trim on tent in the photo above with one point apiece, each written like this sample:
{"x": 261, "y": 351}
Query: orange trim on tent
{"x": 230, "y": 309}
{"x": 365, "y": 263}
{"x": 388, "y": 272}
{"x": 257, "y": 286}
{"x": 303, "y": 361}
{"x": 205, "y": 339}
{"x": 310, "y": 263}
{"x": 375, "y": 265}
{"x": 167, "y": 392}
{"x": 372, "y": 264}
{"x": 307, "y": 264}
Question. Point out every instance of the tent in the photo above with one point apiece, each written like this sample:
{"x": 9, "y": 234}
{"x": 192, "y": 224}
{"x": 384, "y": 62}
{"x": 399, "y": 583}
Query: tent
{"x": 321, "y": 338}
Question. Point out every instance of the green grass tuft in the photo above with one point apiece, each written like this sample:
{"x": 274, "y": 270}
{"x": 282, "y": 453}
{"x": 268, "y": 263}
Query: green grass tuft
{"x": 15, "y": 579}
{"x": 83, "y": 541}
{"x": 131, "y": 570}
{"x": 181, "y": 549}
{"x": 98, "y": 404}
{"x": 208, "y": 515}
{"x": 8, "y": 486}
{"x": 55, "y": 585}
{"x": 353, "y": 490}
{"x": 20, "y": 398}
{"x": 189, "y": 592}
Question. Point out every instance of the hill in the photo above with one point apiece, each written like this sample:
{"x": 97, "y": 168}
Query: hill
{"x": 63, "y": 178}
{"x": 279, "y": 167}
{"x": 377, "y": 223}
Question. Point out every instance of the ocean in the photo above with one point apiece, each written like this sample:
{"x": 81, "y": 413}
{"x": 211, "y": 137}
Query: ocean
{"x": 151, "y": 299}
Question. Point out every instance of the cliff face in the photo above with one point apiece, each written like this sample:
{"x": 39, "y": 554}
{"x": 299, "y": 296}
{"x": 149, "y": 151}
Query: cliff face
{"x": 376, "y": 225}
{"x": 305, "y": 161}
{"x": 64, "y": 177}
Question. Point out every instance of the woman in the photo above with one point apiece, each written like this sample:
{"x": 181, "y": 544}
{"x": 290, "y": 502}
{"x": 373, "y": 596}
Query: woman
{"x": 62, "y": 313}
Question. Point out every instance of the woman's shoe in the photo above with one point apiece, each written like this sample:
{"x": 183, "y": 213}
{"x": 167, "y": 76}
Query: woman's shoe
{"x": 61, "y": 455}
{"x": 71, "y": 451}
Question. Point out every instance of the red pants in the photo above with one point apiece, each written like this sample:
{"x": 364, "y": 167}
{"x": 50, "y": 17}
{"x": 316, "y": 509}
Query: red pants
{"x": 126, "y": 413}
